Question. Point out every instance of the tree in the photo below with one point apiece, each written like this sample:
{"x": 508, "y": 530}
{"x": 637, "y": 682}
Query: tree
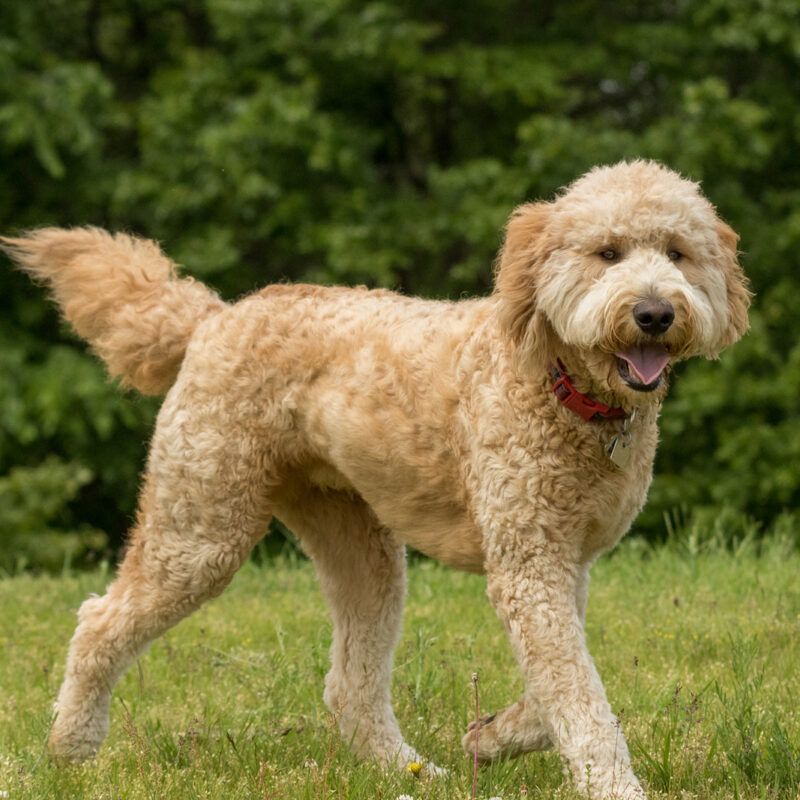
{"x": 386, "y": 143}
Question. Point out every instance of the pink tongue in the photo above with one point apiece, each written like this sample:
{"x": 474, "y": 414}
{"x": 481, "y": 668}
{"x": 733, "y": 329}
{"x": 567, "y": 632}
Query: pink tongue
{"x": 647, "y": 361}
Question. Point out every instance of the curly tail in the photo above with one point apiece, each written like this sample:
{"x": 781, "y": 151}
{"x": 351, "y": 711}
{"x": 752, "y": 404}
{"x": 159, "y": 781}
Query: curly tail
{"x": 122, "y": 295}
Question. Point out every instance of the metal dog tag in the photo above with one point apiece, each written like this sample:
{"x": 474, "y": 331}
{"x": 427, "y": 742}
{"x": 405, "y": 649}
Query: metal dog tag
{"x": 619, "y": 449}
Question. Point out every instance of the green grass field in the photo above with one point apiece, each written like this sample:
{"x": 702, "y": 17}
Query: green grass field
{"x": 697, "y": 646}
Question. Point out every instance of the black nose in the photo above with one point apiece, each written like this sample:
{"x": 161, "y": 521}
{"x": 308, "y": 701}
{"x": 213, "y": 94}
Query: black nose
{"x": 654, "y": 316}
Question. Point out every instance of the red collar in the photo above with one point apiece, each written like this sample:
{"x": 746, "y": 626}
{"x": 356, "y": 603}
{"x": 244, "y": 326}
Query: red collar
{"x": 583, "y": 406}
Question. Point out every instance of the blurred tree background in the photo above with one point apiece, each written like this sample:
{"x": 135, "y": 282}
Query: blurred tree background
{"x": 382, "y": 143}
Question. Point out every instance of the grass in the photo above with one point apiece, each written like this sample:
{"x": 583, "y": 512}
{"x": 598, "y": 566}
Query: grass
{"x": 697, "y": 644}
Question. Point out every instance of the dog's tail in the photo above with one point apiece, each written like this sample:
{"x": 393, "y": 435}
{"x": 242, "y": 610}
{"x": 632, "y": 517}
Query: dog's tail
{"x": 122, "y": 295}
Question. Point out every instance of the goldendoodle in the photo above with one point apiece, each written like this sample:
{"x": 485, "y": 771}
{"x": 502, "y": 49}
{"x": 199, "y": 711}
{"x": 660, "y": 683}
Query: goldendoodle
{"x": 512, "y": 435}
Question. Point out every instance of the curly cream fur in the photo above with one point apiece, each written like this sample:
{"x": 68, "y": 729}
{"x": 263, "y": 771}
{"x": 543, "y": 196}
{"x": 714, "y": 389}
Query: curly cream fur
{"x": 121, "y": 294}
{"x": 368, "y": 421}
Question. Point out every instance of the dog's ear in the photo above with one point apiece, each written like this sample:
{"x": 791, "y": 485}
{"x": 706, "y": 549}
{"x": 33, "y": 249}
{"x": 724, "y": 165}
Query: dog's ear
{"x": 737, "y": 285}
{"x": 525, "y": 248}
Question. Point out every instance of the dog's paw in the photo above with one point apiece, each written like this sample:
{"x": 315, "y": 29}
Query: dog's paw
{"x": 63, "y": 750}
{"x": 506, "y": 734}
{"x": 479, "y": 723}
{"x": 489, "y": 744}
{"x": 75, "y": 739}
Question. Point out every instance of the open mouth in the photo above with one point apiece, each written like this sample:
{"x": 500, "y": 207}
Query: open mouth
{"x": 642, "y": 366}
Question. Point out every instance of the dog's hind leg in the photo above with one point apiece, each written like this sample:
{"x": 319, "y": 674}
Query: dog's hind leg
{"x": 362, "y": 573}
{"x": 201, "y": 510}
{"x": 508, "y": 733}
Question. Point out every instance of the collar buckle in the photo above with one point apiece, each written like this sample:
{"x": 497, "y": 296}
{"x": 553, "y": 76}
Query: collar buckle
{"x": 577, "y": 402}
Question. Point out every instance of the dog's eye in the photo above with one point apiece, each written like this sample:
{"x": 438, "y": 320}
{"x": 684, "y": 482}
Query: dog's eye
{"x": 609, "y": 254}
{"x": 674, "y": 255}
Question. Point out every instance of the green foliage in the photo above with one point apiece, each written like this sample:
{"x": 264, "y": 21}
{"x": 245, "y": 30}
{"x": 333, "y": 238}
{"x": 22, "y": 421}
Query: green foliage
{"x": 386, "y": 143}
{"x": 30, "y": 499}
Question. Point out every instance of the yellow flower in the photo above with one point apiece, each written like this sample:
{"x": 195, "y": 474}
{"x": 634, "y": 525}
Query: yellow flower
{"x": 414, "y": 768}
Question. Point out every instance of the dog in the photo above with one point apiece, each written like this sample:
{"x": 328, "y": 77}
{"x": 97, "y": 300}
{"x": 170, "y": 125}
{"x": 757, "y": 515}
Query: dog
{"x": 512, "y": 434}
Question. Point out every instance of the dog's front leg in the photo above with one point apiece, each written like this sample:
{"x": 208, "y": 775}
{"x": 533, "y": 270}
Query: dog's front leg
{"x": 535, "y": 597}
{"x": 519, "y": 728}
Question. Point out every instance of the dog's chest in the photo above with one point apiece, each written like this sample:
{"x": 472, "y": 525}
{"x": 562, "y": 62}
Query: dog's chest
{"x": 615, "y": 495}
{"x": 555, "y": 482}
{"x": 613, "y": 519}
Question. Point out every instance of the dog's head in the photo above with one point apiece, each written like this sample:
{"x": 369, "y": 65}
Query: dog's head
{"x": 628, "y": 271}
